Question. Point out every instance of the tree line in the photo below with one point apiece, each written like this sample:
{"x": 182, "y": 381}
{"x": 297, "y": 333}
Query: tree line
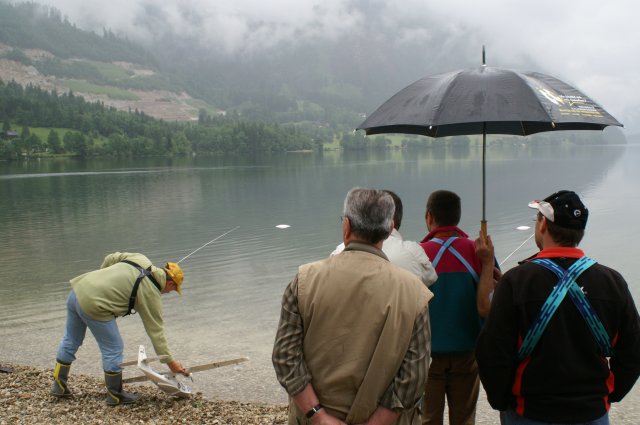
{"x": 80, "y": 128}
{"x": 93, "y": 129}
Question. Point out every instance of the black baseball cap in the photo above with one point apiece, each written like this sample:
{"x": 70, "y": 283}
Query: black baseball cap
{"x": 564, "y": 208}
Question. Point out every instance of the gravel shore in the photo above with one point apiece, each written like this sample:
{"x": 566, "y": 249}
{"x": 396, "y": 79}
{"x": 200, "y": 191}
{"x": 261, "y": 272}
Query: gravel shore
{"x": 25, "y": 399}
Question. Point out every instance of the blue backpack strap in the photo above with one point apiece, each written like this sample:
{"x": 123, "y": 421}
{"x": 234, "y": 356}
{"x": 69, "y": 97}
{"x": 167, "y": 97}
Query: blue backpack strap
{"x": 447, "y": 245}
{"x": 567, "y": 284}
{"x": 593, "y": 321}
{"x": 465, "y": 263}
{"x": 584, "y": 307}
{"x": 443, "y": 248}
{"x": 550, "y": 265}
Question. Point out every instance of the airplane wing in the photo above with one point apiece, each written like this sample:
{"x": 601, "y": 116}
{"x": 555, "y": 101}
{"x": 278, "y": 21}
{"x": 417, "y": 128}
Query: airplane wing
{"x": 192, "y": 369}
{"x": 140, "y": 378}
{"x": 214, "y": 365}
{"x": 148, "y": 359}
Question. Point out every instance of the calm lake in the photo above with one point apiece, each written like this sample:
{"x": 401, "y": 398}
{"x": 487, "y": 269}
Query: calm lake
{"x": 59, "y": 218}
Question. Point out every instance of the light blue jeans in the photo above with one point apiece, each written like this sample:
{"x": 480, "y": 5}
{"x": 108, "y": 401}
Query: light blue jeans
{"x": 510, "y": 417}
{"x": 106, "y": 334}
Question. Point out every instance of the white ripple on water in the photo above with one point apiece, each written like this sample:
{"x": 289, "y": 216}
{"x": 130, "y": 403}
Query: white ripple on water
{"x": 114, "y": 172}
{"x": 74, "y": 174}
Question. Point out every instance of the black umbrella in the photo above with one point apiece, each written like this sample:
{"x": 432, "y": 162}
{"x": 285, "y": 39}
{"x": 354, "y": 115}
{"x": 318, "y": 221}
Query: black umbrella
{"x": 487, "y": 100}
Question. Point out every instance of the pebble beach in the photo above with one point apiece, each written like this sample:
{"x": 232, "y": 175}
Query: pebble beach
{"x": 25, "y": 399}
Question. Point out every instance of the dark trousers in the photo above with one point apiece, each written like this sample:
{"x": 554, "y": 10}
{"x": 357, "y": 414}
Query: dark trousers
{"x": 453, "y": 377}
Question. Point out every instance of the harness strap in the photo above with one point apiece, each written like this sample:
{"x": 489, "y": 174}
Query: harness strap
{"x": 134, "y": 292}
{"x": 447, "y": 246}
{"x": 567, "y": 283}
{"x": 584, "y": 307}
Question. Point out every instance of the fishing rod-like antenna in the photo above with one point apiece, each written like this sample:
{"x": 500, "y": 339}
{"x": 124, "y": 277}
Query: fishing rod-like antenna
{"x": 211, "y": 241}
{"x": 514, "y": 251}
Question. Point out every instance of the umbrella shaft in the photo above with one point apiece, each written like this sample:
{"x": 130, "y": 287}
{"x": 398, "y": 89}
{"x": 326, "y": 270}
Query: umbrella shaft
{"x": 484, "y": 177}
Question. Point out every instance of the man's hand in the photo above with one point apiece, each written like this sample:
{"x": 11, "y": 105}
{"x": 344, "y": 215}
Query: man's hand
{"x": 485, "y": 251}
{"x": 308, "y": 398}
{"x": 382, "y": 416}
{"x": 323, "y": 418}
{"x": 497, "y": 274}
{"x": 176, "y": 367}
{"x": 486, "y": 285}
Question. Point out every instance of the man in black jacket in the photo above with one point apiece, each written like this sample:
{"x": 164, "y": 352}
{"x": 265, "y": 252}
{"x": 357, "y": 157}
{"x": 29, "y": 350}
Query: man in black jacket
{"x": 562, "y": 340}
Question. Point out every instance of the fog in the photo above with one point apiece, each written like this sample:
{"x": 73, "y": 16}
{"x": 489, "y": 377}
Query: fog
{"x": 591, "y": 44}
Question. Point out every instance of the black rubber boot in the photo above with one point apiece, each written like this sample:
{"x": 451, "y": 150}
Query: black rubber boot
{"x": 115, "y": 394}
{"x": 60, "y": 388}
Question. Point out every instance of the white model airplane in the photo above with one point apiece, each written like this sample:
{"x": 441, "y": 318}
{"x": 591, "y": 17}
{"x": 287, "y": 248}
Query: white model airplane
{"x": 168, "y": 382}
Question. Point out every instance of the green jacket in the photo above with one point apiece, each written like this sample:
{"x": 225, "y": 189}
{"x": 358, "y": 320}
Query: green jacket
{"x": 104, "y": 295}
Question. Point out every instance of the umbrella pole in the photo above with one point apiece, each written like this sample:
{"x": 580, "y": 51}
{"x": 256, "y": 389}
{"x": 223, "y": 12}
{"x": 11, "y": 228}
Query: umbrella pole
{"x": 483, "y": 223}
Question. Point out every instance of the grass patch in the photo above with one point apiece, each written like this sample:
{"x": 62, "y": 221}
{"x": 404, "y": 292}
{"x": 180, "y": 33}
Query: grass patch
{"x": 111, "y": 72}
{"x": 304, "y": 105}
{"x": 200, "y": 104}
{"x": 112, "y": 92}
{"x": 43, "y": 133}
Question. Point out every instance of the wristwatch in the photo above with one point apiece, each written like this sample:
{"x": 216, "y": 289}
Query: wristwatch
{"x": 313, "y": 411}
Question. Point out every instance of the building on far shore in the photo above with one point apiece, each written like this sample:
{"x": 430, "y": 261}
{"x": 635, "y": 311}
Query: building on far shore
{"x": 8, "y": 135}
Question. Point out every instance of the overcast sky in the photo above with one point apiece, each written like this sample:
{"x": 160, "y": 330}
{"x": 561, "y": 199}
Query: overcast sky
{"x": 594, "y": 45}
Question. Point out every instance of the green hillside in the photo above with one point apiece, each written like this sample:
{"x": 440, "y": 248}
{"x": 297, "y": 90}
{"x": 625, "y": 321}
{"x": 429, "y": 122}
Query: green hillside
{"x": 32, "y": 26}
{"x": 102, "y": 92}
{"x": 273, "y": 88}
{"x": 76, "y": 127}
{"x": 103, "y": 67}
{"x": 41, "y": 122}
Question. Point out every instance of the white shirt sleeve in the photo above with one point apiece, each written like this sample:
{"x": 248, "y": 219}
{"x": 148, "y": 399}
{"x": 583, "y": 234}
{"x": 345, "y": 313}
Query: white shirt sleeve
{"x": 338, "y": 250}
{"x": 427, "y": 272}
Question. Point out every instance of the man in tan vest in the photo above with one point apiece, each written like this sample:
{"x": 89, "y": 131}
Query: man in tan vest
{"x": 353, "y": 342}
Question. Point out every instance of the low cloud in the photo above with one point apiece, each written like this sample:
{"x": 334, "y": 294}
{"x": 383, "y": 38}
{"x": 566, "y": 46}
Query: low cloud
{"x": 582, "y": 44}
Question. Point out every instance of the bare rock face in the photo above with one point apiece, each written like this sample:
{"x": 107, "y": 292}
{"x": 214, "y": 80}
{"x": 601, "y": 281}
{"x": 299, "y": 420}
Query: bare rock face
{"x": 161, "y": 104}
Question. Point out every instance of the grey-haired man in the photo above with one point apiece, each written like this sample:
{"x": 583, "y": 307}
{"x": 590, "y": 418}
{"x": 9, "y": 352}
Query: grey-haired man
{"x": 354, "y": 335}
